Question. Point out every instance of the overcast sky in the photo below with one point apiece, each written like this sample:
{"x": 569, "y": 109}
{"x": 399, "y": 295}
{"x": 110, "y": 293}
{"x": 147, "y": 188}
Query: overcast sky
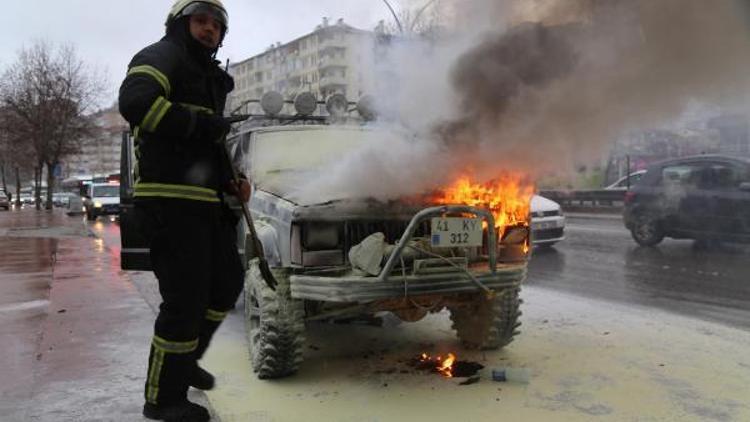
{"x": 107, "y": 33}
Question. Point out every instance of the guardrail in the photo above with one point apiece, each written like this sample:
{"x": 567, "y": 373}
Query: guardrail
{"x": 605, "y": 200}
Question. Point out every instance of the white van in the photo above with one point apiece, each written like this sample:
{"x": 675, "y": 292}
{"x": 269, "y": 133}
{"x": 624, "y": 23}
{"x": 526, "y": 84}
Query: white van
{"x": 102, "y": 199}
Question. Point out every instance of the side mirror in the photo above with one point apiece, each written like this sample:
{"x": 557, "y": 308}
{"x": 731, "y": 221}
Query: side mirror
{"x": 745, "y": 186}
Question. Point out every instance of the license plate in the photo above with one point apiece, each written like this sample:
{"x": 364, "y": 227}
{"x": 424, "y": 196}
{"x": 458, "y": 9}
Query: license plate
{"x": 454, "y": 232}
{"x": 544, "y": 225}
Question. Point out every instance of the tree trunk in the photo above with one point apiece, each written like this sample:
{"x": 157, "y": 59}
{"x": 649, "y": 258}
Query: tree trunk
{"x": 50, "y": 184}
{"x": 18, "y": 187}
{"x": 5, "y": 187}
{"x": 38, "y": 187}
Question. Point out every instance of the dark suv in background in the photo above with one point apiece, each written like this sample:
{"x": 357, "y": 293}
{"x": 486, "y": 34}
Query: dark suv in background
{"x": 705, "y": 197}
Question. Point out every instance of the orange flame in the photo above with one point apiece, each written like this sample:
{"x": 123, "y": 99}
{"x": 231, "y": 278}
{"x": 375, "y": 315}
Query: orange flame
{"x": 508, "y": 197}
{"x": 445, "y": 367}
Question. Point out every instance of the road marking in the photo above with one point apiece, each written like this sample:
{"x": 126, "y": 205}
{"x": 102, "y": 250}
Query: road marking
{"x": 595, "y": 229}
{"x": 23, "y": 306}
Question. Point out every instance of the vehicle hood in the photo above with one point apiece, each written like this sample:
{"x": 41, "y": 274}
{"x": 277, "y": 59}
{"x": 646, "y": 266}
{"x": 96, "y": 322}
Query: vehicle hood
{"x": 333, "y": 210}
{"x": 542, "y": 204}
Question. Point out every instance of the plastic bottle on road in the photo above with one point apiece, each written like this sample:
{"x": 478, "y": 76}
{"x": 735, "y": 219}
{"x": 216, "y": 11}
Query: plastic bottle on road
{"x": 519, "y": 375}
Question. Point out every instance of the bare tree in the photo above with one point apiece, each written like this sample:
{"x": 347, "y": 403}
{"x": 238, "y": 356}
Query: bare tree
{"x": 48, "y": 96}
{"x": 16, "y": 154}
{"x": 425, "y": 20}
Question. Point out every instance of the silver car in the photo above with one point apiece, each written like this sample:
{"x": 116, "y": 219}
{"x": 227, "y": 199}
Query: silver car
{"x": 547, "y": 222}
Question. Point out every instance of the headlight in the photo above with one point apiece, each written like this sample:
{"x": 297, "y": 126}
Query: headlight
{"x": 320, "y": 236}
{"x": 515, "y": 235}
{"x": 97, "y": 204}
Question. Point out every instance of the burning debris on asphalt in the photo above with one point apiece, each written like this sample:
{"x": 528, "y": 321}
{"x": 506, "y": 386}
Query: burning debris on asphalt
{"x": 448, "y": 366}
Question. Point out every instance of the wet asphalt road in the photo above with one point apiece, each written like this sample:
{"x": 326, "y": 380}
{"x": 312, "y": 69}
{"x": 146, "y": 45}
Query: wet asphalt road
{"x": 76, "y": 329}
{"x": 598, "y": 259}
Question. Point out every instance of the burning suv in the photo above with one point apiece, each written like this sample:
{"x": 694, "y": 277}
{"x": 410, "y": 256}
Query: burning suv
{"x": 339, "y": 258}
{"x": 343, "y": 257}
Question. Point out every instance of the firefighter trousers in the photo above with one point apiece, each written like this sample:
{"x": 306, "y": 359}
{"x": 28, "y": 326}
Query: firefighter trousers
{"x": 194, "y": 257}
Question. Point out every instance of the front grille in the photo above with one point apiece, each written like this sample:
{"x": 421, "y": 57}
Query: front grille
{"x": 547, "y": 234}
{"x": 357, "y": 231}
{"x": 542, "y": 214}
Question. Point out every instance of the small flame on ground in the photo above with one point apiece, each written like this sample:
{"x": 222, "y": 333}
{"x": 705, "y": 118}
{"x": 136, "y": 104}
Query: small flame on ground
{"x": 508, "y": 197}
{"x": 442, "y": 365}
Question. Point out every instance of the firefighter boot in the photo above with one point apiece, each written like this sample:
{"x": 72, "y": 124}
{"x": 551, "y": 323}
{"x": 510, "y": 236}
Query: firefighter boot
{"x": 200, "y": 378}
{"x": 183, "y": 411}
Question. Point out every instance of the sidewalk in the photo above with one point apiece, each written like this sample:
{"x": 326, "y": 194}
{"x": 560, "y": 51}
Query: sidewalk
{"x": 75, "y": 330}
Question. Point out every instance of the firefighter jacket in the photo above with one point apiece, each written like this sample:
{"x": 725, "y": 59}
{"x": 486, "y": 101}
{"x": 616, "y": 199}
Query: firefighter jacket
{"x": 167, "y": 84}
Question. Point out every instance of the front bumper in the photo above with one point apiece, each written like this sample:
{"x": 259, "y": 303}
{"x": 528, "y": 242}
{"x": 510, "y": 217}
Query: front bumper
{"x": 391, "y": 283}
{"x": 107, "y": 209}
{"x": 547, "y": 230}
{"x": 361, "y": 289}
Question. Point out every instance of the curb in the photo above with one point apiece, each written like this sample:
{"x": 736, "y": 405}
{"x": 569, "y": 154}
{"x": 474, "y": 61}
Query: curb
{"x": 592, "y": 216}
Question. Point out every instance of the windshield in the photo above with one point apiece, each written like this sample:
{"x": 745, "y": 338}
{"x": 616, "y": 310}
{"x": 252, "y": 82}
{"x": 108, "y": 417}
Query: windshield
{"x": 282, "y": 160}
{"x": 106, "y": 191}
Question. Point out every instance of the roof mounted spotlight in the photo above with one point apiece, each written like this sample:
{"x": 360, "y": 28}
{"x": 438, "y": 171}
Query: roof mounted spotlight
{"x": 305, "y": 104}
{"x": 337, "y": 105}
{"x": 272, "y": 103}
{"x": 366, "y": 108}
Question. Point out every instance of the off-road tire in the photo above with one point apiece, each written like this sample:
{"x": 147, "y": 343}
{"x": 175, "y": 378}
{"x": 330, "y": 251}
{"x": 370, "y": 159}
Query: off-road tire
{"x": 646, "y": 230}
{"x": 490, "y": 323}
{"x": 274, "y": 324}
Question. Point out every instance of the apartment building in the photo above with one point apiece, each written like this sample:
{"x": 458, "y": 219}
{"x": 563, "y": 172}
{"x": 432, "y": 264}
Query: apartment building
{"x": 334, "y": 58}
{"x": 99, "y": 154}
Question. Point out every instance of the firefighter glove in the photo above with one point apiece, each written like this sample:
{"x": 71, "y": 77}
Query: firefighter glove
{"x": 210, "y": 128}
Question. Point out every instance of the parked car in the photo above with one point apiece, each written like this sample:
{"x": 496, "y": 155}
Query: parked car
{"x": 102, "y": 199}
{"x": 4, "y": 203}
{"x": 27, "y": 200}
{"x": 61, "y": 200}
{"x": 75, "y": 206}
{"x": 547, "y": 222}
{"x": 622, "y": 183}
{"x": 704, "y": 198}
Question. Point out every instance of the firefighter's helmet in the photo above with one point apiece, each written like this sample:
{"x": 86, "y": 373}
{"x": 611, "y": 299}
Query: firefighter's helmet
{"x": 190, "y": 7}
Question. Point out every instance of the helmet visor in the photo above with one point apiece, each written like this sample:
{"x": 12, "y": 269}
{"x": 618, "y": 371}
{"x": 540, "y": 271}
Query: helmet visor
{"x": 198, "y": 8}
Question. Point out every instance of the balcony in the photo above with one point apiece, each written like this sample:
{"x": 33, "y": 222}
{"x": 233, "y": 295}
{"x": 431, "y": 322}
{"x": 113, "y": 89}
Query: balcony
{"x": 328, "y": 61}
{"x": 333, "y": 80}
{"x": 331, "y": 43}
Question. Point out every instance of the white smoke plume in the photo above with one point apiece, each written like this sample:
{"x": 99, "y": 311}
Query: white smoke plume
{"x": 537, "y": 85}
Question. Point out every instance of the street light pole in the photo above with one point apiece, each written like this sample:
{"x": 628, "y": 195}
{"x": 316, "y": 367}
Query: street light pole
{"x": 395, "y": 17}
{"x": 419, "y": 14}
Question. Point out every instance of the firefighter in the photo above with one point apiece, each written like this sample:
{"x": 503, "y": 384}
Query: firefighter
{"x": 173, "y": 97}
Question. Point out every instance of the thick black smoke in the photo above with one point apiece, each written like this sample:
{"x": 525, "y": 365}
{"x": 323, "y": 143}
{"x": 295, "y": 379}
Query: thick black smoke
{"x": 545, "y": 95}
{"x": 546, "y": 85}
